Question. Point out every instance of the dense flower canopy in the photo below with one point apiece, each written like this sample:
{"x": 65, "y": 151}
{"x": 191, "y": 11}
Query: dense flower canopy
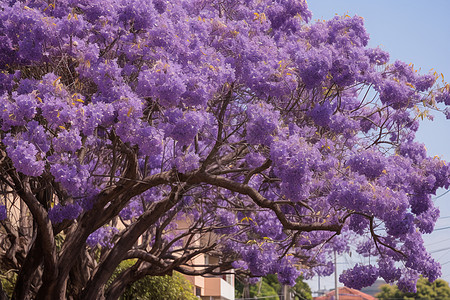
{"x": 284, "y": 139}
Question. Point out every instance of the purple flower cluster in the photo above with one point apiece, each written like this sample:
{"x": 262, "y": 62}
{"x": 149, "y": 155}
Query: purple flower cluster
{"x": 226, "y": 221}
{"x": 24, "y": 156}
{"x": 400, "y": 226}
{"x": 426, "y": 220}
{"x": 133, "y": 210}
{"x": 367, "y": 163}
{"x": 287, "y": 273}
{"x": 182, "y": 126}
{"x": 3, "y": 214}
{"x": 321, "y": 113}
{"x": 395, "y": 95}
{"x": 281, "y": 11}
{"x": 164, "y": 82}
{"x": 359, "y": 276}
{"x": 415, "y": 151}
{"x": 262, "y": 125}
{"x": 67, "y": 141}
{"x": 388, "y": 271}
{"x": 18, "y": 111}
{"x": 59, "y": 213}
{"x": 314, "y": 66}
{"x": 102, "y": 237}
{"x": 351, "y": 196}
{"x": 408, "y": 281}
{"x": 358, "y": 223}
{"x": 72, "y": 175}
{"x": 268, "y": 226}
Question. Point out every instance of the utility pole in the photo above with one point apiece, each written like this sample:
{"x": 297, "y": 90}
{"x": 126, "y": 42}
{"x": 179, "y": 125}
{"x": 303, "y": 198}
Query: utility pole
{"x": 286, "y": 292}
{"x": 336, "y": 291}
{"x": 319, "y": 285}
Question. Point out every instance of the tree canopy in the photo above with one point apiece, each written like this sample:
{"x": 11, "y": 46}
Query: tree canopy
{"x": 155, "y": 287}
{"x": 161, "y": 130}
{"x": 270, "y": 286}
{"x": 439, "y": 289}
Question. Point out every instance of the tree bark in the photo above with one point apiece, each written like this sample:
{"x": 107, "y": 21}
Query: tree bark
{"x": 122, "y": 281}
{"x": 117, "y": 254}
{"x": 29, "y": 267}
{"x": 3, "y": 295}
{"x": 45, "y": 230}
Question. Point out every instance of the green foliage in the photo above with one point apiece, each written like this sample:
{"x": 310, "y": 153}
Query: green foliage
{"x": 272, "y": 280}
{"x": 8, "y": 281}
{"x": 425, "y": 290}
{"x": 263, "y": 289}
{"x": 269, "y": 286}
{"x": 156, "y": 287}
{"x": 301, "y": 290}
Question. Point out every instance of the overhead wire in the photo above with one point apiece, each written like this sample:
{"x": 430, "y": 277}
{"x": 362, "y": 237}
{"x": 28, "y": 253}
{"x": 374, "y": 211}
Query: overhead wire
{"x": 441, "y": 195}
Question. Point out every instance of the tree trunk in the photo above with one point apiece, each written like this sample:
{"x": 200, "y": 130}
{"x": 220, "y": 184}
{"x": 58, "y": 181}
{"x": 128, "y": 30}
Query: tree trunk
{"x": 120, "y": 284}
{"x": 130, "y": 236}
{"x": 29, "y": 267}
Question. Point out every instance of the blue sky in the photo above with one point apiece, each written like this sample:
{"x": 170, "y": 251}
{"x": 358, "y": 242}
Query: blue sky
{"x": 415, "y": 32}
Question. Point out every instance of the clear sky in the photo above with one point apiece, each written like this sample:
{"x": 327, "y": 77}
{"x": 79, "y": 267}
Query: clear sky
{"x": 415, "y": 32}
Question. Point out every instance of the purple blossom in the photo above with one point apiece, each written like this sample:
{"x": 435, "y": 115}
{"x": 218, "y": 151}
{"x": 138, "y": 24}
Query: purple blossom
{"x": 426, "y": 220}
{"x": 395, "y": 95}
{"x": 3, "y": 214}
{"x": 182, "y": 126}
{"x": 59, "y": 213}
{"x": 37, "y": 135}
{"x": 359, "y": 276}
{"x": 102, "y": 237}
{"x": 377, "y": 56}
{"x": 314, "y": 65}
{"x": 287, "y": 273}
{"x": 388, "y": 271}
{"x": 444, "y": 96}
{"x": 321, "y": 113}
{"x": 400, "y": 226}
{"x": 367, "y": 163}
{"x": 262, "y": 125}
{"x": 24, "y": 156}
{"x": 187, "y": 162}
{"x": 133, "y": 210}
{"x": 72, "y": 175}
{"x": 408, "y": 280}
{"x": 425, "y": 82}
{"x": 67, "y": 141}
{"x": 165, "y": 82}
{"x": 240, "y": 264}
{"x": 416, "y": 151}
{"x": 358, "y": 223}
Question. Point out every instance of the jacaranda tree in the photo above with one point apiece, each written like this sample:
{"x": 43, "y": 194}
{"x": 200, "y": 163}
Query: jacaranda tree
{"x": 159, "y": 130}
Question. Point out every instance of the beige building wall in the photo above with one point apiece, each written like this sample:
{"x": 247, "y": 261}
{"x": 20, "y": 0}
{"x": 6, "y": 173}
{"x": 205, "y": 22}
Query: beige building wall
{"x": 212, "y": 287}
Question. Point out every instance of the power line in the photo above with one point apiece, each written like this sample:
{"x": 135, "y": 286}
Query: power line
{"x": 443, "y": 255}
{"x": 440, "y": 250}
{"x": 437, "y": 242}
{"x": 442, "y": 228}
{"x": 437, "y": 197}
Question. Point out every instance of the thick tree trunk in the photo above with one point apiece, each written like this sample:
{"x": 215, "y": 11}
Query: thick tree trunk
{"x": 45, "y": 232}
{"x": 119, "y": 285}
{"x": 118, "y": 253}
{"x": 3, "y": 295}
{"x": 29, "y": 267}
{"x": 80, "y": 274}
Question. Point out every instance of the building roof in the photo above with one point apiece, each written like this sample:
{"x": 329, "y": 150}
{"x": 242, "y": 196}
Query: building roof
{"x": 346, "y": 293}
